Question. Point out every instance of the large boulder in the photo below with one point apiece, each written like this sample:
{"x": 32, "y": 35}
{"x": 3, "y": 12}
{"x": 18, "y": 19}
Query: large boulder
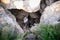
{"x": 51, "y": 14}
{"x": 45, "y": 3}
{"x": 27, "y": 5}
{"x": 9, "y": 28}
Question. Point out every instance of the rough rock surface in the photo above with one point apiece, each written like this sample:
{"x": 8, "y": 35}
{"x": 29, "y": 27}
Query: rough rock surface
{"x": 8, "y": 24}
{"x": 30, "y": 37}
{"x": 51, "y": 14}
{"x": 45, "y": 3}
{"x": 27, "y": 5}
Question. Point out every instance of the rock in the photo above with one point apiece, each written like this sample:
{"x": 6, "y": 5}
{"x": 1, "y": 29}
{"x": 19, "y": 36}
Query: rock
{"x": 45, "y": 3}
{"x": 49, "y": 2}
{"x": 9, "y": 28}
{"x": 30, "y": 37}
{"x": 27, "y": 5}
{"x": 51, "y": 14}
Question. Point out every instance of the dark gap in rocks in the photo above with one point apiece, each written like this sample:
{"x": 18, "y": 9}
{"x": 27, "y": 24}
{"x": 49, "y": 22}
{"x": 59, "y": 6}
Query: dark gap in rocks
{"x": 42, "y": 5}
{"x": 30, "y": 21}
{"x": 21, "y": 14}
{"x": 14, "y": 11}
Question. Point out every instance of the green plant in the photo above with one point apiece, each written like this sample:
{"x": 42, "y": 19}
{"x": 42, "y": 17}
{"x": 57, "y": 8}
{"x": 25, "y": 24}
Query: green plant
{"x": 9, "y": 32}
{"x": 47, "y": 31}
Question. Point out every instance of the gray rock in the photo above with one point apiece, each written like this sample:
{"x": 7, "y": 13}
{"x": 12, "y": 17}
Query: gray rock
{"x": 51, "y": 14}
{"x": 45, "y": 3}
{"x": 9, "y": 25}
{"x": 30, "y": 37}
